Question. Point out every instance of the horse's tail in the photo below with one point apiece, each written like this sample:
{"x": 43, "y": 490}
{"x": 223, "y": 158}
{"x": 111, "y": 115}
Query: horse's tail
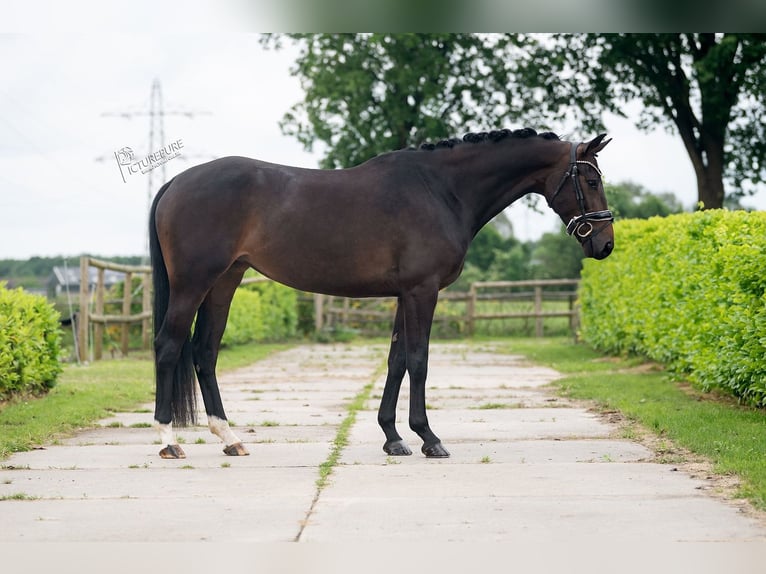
{"x": 183, "y": 393}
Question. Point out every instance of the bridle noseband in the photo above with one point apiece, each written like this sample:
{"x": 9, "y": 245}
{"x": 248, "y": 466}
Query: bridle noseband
{"x": 580, "y": 225}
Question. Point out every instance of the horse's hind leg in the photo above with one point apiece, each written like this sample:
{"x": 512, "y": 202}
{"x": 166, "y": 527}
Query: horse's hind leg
{"x": 174, "y": 375}
{"x": 397, "y": 366}
{"x": 211, "y": 323}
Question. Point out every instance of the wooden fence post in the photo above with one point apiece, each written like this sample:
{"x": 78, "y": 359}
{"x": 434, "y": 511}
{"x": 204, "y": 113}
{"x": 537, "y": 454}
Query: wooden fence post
{"x": 98, "y": 328}
{"x": 538, "y": 311}
{"x": 127, "y": 298}
{"x": 318, "y": 311}
{"x": 82, "y": 323}
{"x": 146, "y": 308}
{"x": 471, "y": 308}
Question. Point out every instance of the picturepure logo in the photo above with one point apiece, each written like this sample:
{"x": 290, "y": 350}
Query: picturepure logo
{"x": 130, "y": 166}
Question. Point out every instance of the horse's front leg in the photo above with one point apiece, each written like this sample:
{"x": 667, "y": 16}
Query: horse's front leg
{"x": 419, "y": 305}
{"x": 397, "y": 366}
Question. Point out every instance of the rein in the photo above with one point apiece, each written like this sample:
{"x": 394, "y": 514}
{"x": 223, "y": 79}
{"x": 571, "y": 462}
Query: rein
{"x": 580, "y": 225}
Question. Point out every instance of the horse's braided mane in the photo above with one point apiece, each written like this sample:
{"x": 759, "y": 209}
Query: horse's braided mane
{"x": 492, "y": 136}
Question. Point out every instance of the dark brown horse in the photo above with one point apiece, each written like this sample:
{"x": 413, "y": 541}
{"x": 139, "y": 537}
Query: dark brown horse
{"x": 398, "y": 225}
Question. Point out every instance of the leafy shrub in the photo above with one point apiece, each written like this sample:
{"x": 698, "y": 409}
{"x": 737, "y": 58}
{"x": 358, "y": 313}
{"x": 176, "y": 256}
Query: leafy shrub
{"x": 245, "y": 322}
{"x": 261, "y": 312}
{"x": 688, "y": 291}
{"x": 279, "y": 310}
{"x": 29, "y": 343}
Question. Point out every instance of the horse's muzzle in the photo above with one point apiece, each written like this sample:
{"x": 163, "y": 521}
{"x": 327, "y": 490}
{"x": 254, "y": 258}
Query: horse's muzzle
{"x": 605, "y": 251}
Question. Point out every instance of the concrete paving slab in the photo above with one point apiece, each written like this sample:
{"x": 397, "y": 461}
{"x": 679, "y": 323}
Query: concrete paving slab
{"x": 469, "y": 378}
{"x": 267, "y": 454}
{"x": 251, "y": 518}
{"x": 536, "y": 451}
{"x": 265, "y": 432}
{"x": 158, "y": 480}
{"x": 528, "y": 502}
{"x": 461, "y": 425}
{"x": 546, "y": 520}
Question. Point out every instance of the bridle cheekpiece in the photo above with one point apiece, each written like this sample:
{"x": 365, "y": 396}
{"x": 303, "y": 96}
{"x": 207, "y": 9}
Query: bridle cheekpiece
{"x": 580, "y": 225}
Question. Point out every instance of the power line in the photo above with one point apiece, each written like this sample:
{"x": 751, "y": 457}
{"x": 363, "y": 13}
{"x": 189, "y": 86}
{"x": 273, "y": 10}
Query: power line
{"x": 156, "y": 113}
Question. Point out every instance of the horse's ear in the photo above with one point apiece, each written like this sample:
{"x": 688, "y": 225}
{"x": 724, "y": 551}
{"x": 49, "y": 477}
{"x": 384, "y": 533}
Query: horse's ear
{"x": 597, "y": 144}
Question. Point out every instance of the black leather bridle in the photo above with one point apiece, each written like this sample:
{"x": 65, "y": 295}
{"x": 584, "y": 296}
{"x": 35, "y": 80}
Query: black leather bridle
{"x": 580, "y": 225}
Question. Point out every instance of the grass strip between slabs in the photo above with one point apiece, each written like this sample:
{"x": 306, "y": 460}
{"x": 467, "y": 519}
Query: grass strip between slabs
{"x": 339, "y": 443}
{"x": 341, "y": 437}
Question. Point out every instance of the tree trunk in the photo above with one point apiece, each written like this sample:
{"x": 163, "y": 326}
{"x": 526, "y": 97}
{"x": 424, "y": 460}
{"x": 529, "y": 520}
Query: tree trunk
{"x": 710, "y": 190}
{"x": 707, "y": 157}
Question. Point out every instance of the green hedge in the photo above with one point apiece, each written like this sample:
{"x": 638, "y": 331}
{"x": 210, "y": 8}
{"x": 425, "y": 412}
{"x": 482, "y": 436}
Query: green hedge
{"x": 688, "y": 291}
{"x": 261, "y": 312}
{"x": 30, "y": 336}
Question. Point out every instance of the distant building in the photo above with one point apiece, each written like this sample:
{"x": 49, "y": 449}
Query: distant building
{"x": 69, "y": 279}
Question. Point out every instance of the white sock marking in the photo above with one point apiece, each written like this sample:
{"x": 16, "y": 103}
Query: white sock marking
{"x": 167, "y": 436}
{"x": 220, "y": 428}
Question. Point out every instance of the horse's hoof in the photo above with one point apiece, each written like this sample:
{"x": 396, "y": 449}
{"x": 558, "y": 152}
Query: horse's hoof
{"x": 172, "y": 451}
{"x": 397, "y": 448}
{"x": 435, "y": 450}
{"x": 236, "y": 449}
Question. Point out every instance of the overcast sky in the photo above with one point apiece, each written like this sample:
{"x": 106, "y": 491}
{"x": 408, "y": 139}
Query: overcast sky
{"x": 61, "y": 192}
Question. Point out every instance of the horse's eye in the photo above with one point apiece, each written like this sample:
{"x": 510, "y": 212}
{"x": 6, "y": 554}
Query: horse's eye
{"x": 592, "y": 183}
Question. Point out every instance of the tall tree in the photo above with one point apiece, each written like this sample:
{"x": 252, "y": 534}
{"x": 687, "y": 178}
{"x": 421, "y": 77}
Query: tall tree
{"x": 710, "y": 89}
{"x": 370, "y": 93}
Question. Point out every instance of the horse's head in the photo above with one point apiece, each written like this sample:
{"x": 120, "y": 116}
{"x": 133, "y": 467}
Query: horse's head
{"x": 578, "y": 198}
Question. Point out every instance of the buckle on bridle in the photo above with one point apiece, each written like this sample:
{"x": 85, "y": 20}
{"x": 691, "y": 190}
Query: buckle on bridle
{"x": 587, "y": 226}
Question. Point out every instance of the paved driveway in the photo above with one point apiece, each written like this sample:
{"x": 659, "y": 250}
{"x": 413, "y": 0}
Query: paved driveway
{"x": 526, "y": 467}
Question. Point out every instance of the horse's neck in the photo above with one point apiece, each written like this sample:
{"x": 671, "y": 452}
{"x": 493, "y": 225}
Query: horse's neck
{"x": 490, "y": 177}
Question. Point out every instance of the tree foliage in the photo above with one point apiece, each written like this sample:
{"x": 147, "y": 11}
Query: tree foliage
{"x": 370, "y": 93}
{"x": 366, "y": 94}
{"x": 629, "y": 200}
{"x": 708, "y": 88}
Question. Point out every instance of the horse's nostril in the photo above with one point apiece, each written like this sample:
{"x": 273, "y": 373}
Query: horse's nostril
{"x": 608, "y": 246}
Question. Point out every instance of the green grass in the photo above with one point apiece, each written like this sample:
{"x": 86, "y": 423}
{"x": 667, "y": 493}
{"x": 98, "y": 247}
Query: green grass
{"x": 729, "y": 435}
{"x": 495, "y": 406}
{"x": 243, "y": 355}
{"x": 18, "y": 496}
{"x": 85, "y": 394}
{"x": 341, "y": 437}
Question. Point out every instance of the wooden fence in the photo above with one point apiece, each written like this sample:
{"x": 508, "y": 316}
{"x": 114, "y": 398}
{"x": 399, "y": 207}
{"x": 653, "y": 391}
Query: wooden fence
{"x": 92, "y": 318}
{"x": 98, "y": 319}
{"x": 329, "y": 311}
{"x": 376, "y": 315}
{"x": 539, "y": 295}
